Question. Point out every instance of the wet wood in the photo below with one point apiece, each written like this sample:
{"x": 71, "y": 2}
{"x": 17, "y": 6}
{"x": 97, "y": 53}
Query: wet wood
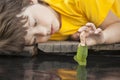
{"x": 71, "y": 46}
{"x": 106, "y": 47}
{"x": 28, "y": 51}
{"x": 60, "y": 47}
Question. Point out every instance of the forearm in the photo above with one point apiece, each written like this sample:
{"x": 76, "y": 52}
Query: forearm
{"x": 112, "y": 33}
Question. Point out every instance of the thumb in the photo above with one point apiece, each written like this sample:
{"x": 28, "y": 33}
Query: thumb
{"x": 83, "y": 38}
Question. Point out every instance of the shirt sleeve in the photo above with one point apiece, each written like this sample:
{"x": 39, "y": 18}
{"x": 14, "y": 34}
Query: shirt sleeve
{"x": 95, "y": 10}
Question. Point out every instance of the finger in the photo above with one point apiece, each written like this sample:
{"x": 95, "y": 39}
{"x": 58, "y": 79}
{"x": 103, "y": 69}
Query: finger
{"x": 83, "y": 28}
{"x": 98, "y": 30}
{"x": 83, "y": 38}
{"x": 91, "y": 26}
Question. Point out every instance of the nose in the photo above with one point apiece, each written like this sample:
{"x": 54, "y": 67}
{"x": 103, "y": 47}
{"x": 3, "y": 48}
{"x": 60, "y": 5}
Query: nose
{"x": 39, "y": 35}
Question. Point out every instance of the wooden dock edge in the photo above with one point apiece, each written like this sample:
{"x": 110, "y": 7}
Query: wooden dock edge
{"x": 71, "y": 46}
{"x": 28, "y": 51}
{"x": 59, "y": 47}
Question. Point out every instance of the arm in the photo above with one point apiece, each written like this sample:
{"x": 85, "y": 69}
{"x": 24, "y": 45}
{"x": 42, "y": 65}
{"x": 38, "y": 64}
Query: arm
{"x": 111, "y": 28}
{"x": 110, "y": 32}
{"x": 107, "y": 33}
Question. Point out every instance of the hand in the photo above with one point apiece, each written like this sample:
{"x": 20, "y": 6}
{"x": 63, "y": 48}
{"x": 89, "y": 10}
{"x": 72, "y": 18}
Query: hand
{"x": 76, "y": 36}
{"x": 89, "y": 35}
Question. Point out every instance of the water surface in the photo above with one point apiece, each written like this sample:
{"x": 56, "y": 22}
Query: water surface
{"x": 104, "y": 65}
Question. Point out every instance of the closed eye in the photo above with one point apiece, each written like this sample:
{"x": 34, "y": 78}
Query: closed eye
{"x": 38, "y": 35}
{"x": 35, "y": 24}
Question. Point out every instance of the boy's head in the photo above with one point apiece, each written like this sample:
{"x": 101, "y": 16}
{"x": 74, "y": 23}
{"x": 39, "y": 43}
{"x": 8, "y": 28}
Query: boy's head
{"x": 25, "y": 23}
{"x": 42, "y": 22}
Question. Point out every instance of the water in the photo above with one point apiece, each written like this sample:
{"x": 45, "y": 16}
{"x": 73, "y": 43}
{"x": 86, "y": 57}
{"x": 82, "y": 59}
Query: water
{"x": 104, "y": 65}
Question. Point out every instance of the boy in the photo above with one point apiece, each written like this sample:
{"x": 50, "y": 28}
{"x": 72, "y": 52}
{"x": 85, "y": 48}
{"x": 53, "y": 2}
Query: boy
{"x": 38, "y": 20}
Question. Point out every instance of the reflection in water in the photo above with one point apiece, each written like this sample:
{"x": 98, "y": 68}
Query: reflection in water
{"x": 62, "y": 67}
{"x": 81, "y": 73}
{"x": 104, "y": 74}
{"x": 40, "y": 75}
{"x": 42, "y": 67}
{"x": 67, "y": 74}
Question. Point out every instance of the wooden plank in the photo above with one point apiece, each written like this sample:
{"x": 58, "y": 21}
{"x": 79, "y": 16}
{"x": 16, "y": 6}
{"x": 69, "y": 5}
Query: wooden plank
{"x": 58, "y": 46}
{"x": 71, "y": 46}
{"x": 106, "y": 47}
{"x": 28, "y": 51}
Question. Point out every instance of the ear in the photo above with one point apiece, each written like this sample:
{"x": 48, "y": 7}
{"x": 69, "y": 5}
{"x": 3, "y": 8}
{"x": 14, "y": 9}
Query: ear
{"x": 34, "y": 1}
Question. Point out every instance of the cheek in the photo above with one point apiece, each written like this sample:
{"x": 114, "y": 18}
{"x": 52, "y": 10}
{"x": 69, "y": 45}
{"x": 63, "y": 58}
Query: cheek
{"x": 42, "y": 39}
{"x": 41, "y": 30}
{"x": 44, "y": 19}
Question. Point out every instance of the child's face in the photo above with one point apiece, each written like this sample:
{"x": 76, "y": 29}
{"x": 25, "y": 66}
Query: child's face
{"x": 41, "y": 23}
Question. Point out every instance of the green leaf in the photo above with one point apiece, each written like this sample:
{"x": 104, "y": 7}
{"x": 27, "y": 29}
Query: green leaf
{"x": 81, "y": 56}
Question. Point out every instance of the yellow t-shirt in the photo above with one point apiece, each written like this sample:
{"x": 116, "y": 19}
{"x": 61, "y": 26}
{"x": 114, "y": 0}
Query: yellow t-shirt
{"x": 76, "y": 13}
